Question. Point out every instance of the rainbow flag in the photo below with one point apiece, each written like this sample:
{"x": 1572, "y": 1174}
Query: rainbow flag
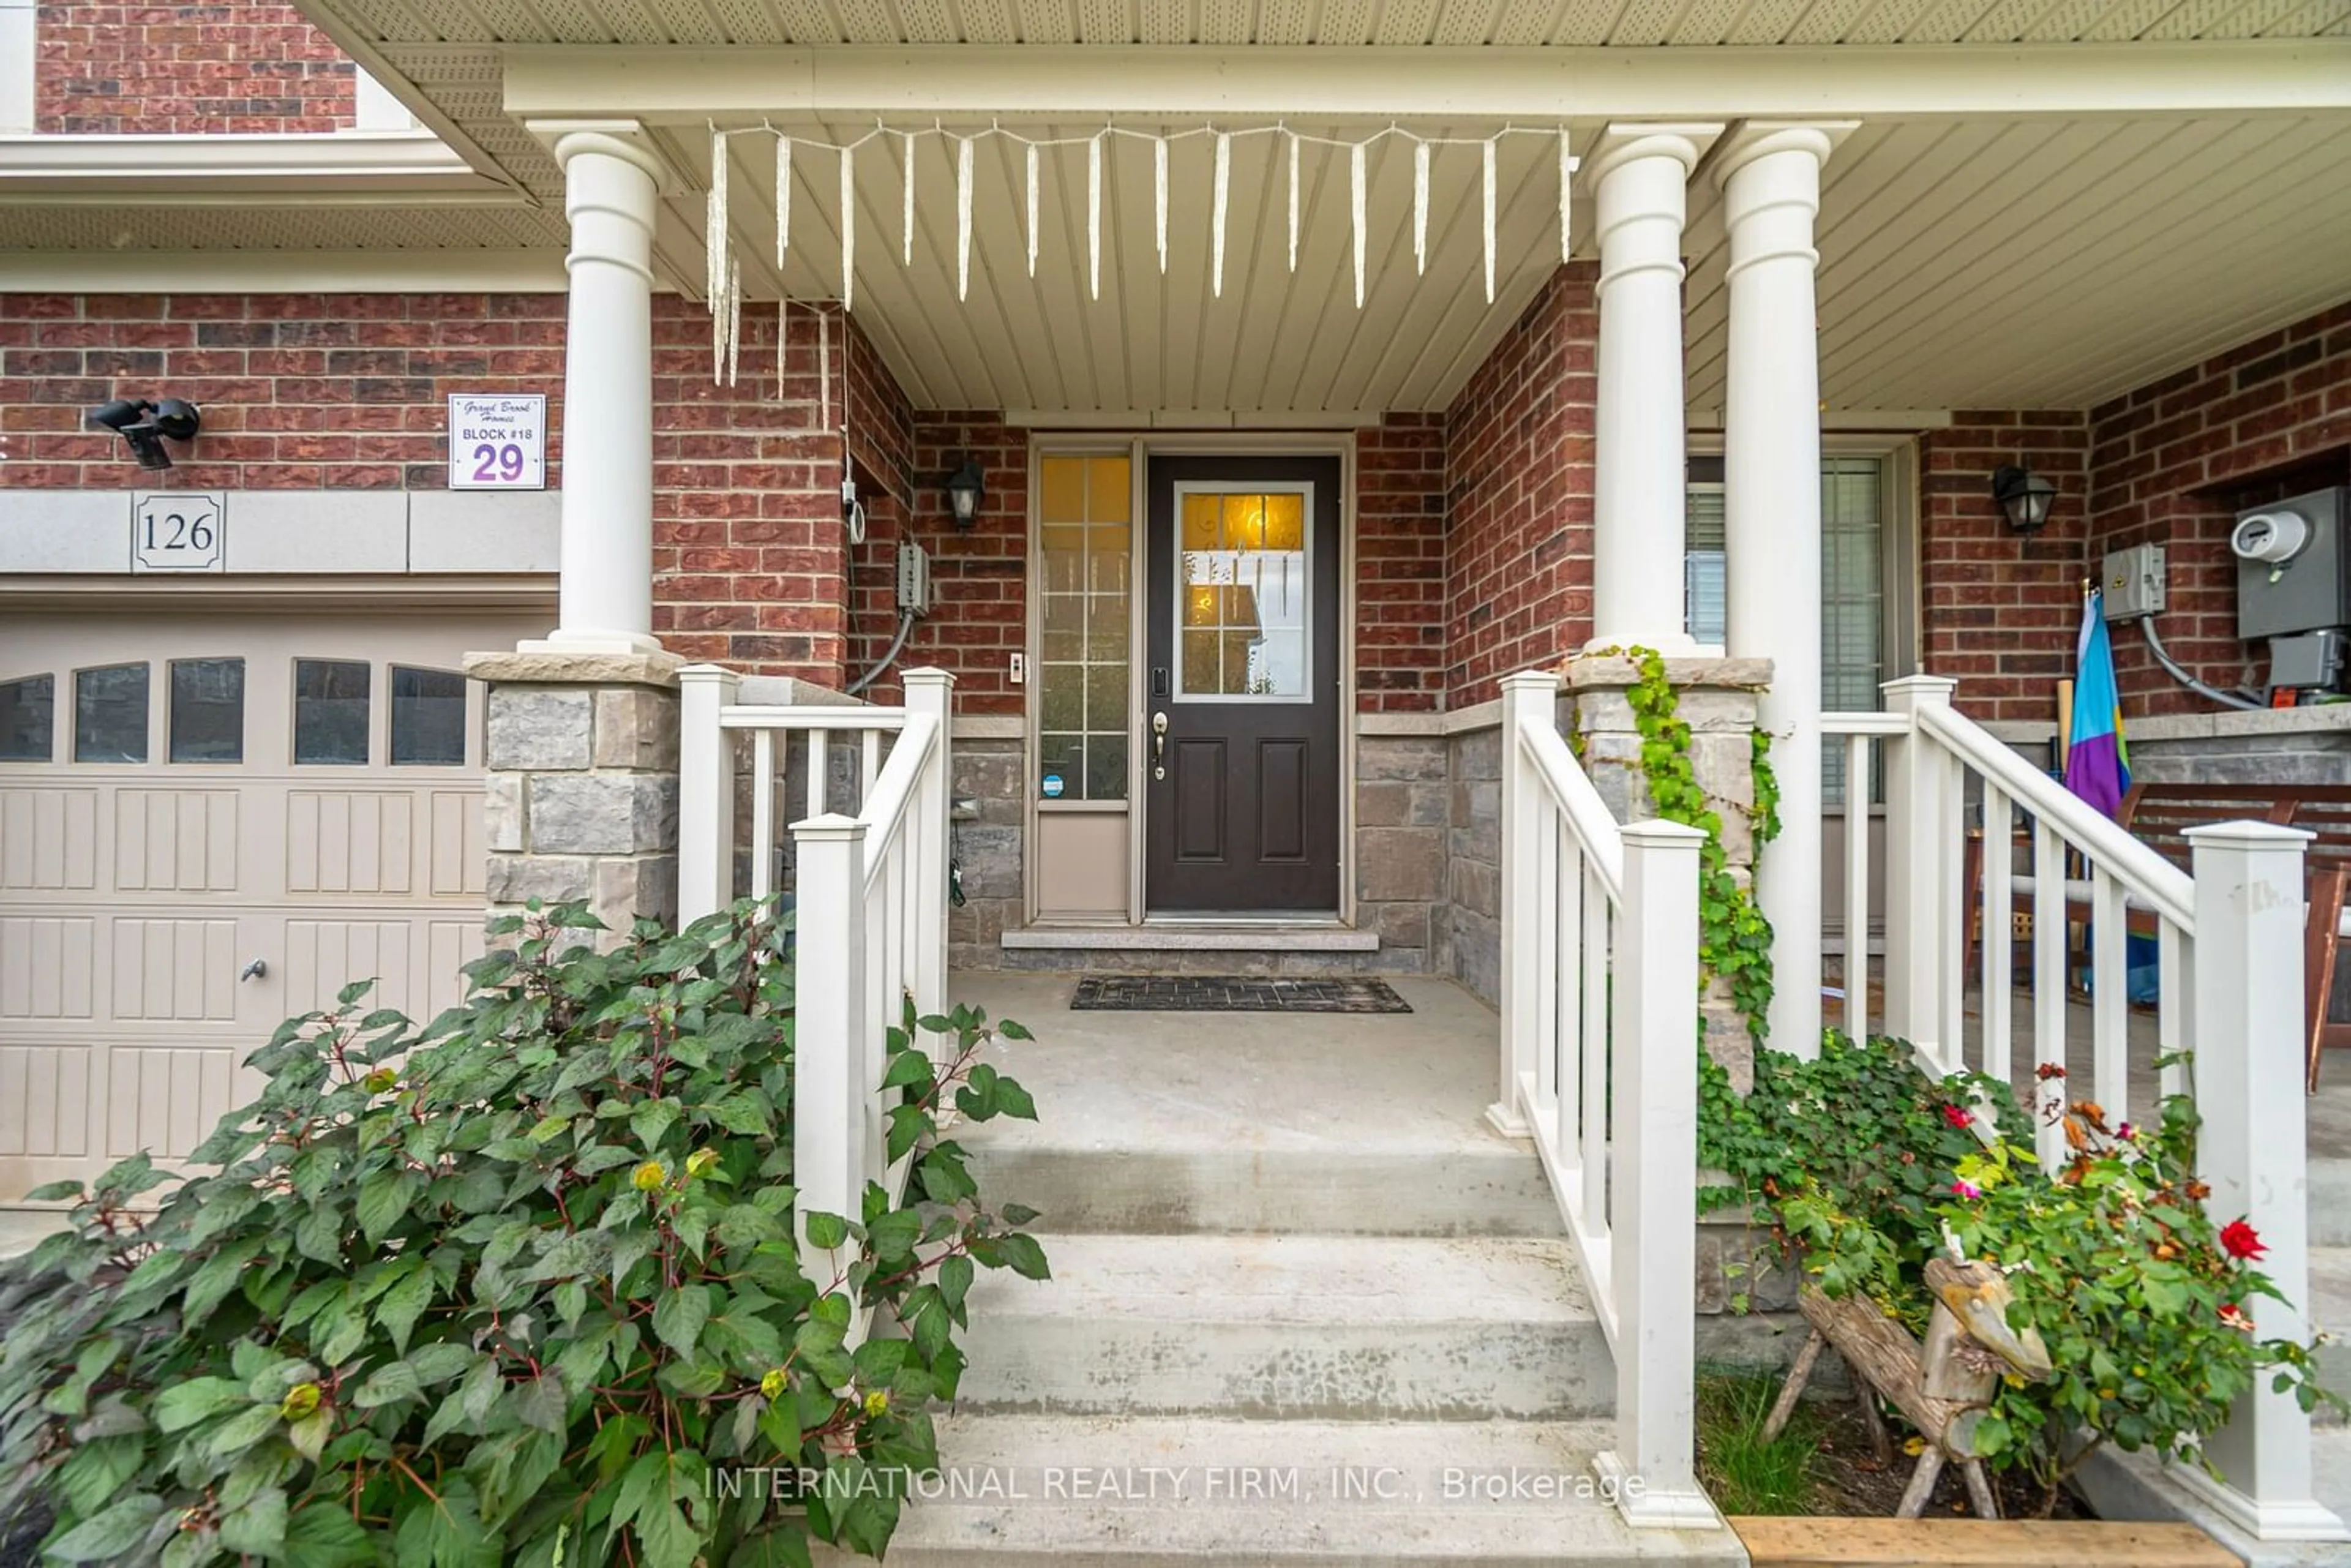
{"x": 2097, "y": 763}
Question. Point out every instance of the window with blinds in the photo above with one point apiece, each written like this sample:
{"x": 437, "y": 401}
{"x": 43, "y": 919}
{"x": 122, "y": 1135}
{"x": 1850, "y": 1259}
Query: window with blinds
{"x": 1852, "y": 585}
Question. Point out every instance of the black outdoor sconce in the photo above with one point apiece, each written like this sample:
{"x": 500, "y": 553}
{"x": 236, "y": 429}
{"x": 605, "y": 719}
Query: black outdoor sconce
{"x": 2024, "y": 496}
{"x": 144, "y": 425}
{"x": 964, "y": 491}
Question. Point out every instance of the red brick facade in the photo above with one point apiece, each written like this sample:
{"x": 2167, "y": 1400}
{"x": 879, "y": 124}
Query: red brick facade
{"x": 1519, "y": 451}
{"x": 1400, "y": 553}
{"x": 249, "y": 66}
{"x": 1998, "y": 610}
{"x": 2173, "y": 463}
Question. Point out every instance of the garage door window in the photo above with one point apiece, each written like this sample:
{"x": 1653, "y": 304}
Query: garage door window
{"x": 110, "y": 714}
{"x": 331, "y": 712}
{"x": 428, "y": 718}
{"x": 28, "y": 719}
{"x": 208, "y": 710}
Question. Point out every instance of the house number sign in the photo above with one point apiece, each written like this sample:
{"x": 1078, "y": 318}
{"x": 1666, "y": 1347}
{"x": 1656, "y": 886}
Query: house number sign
{"x": 497, "y": 441}
{"x": 179, "y": 530}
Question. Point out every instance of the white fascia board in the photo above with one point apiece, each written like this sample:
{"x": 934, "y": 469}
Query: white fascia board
{"x": 273, "y": 271}
{"x": 1903, "y": 81}
{"x": 143, "y": 168}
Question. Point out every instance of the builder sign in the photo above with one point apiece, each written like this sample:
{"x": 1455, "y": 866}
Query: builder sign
{"x": 497, "y": 441}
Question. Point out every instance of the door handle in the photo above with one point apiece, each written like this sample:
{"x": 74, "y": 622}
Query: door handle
{"x": 1158, "y": 745}
{"x": 258, "y": 970}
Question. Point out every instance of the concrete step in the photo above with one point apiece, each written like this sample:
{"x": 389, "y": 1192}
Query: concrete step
{"x": 2330, "y": 1310}
{"x": 2330, "y": 1200}
{"x": 1141, "y": 1492}
{"x": 1292, "y": 1327}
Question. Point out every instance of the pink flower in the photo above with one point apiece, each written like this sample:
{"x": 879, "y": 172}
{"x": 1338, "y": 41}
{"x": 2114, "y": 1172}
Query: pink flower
{"x": 1967, "y": 1189}
{"x": 2125, "y": 1131}
{"x": 2233, "y": 1316}
{"x": 1957, "y": 1117}
{"x": 2240, "y": 1240}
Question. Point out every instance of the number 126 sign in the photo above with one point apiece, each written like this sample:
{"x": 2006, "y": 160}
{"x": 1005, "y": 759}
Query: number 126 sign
{"x": 497, "y": 441}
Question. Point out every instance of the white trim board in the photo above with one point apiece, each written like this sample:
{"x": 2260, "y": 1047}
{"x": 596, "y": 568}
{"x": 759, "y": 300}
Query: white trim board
{"x": 413, "y": 164}
{"x": 290, "y": 271}
{"x": 315, "y": 533}
{"x": 686, "y": 86}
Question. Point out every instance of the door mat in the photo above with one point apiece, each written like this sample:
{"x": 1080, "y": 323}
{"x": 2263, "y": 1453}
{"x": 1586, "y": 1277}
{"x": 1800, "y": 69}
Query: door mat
{"x": 1234, "y": 994}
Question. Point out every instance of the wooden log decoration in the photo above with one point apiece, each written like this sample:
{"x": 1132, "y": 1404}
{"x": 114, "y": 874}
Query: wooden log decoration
{"x": 1942, "y": 1387}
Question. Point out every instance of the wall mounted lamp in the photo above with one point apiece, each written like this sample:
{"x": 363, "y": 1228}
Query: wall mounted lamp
{"x": 964, "y": 492}
{"x": 144, "y": 424}
{"x": 2025, "y": 497}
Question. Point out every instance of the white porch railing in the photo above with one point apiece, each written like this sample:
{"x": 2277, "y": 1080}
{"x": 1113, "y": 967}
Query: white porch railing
{"x": 870, "y": 900}
{"x": 1599, "y": 1067}
{"x": 2228, "y": 975}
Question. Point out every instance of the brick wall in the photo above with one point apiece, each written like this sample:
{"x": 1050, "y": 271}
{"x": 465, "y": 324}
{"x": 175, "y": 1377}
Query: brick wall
{"x": 1400, "y": 545}
{"x": 2175, "y": 461}
{"x": 350, "y": 391}
{"x": 248, "y": 67}
{"x": 1999, "y": 611}
{"x": 1519, "y": 451}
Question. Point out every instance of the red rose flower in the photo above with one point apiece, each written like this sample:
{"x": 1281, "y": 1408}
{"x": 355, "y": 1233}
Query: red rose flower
{"x": 2233, "y": 1316}
{"x": 2047, "y": 1070}
{"x": 2239, "y": 1240}
{"x": 1957, "y": 1117}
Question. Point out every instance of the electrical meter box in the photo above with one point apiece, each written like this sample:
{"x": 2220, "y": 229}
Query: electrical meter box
{"x": 914, "y": 580}
{"x": 2291, "y": 566}
{"x": 2131, "y": 583}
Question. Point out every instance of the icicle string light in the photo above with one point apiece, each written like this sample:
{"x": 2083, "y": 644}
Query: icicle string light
{"x": 1355, "y": 201}
{"x": 1420, "y": 210}
{"x": 906, "y": 207}
{"x": 962, "y": 217}
{"x": 1093, "y": 217}
{"x": 1487, "y": 195}
{"x": 849, "y": 227}
{"x": 1032, "y": 209}
{"x": 1159, "y": 196}
{"x": 1293, "y": 201}
{"x": 1217, "y": 218}
{"x": 723, "y": 276}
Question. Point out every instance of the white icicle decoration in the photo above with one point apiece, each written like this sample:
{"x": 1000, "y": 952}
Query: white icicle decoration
{"x": 1420, "y": 208}
{"x": 962, "y": 217}
{"x": 1487, "y": 199}
{"x": 1094, "y": 216}
{"x": 734, "y": 316}
{"x": 1356, "y": 206}
{"x": 1217, "y": 219}
{"x": 848, "y": 227}
{"x": 713, "y": 238}
{"x": 1568, "y": 164}
{"x": 1293, "y": 201}
{"x": 906, "y": 208}
{"x": 1032, "y": 209}
{"x": 783, "y": 199}
{"x": 719, "y": 321}
{"x": 1159, "y": 195}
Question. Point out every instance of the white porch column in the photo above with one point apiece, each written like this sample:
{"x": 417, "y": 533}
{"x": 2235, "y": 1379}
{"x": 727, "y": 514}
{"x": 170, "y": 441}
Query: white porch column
{"x": 1771, "y": 180}
{"x": 612, "y": 189}
{"x": 1641, "y": 173}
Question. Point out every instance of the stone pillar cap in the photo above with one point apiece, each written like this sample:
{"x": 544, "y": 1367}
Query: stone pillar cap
{"x": 553, "y": 669}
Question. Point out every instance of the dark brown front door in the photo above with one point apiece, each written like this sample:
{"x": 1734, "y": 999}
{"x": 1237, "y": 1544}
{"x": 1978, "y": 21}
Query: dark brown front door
{"x": 1242, "y": 731}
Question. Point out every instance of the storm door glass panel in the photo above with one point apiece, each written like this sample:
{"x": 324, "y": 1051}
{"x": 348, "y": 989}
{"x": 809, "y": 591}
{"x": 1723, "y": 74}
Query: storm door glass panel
{"x": 1085, "y": 558}
{"x": 331, "y": 712}
{"x": 1243, "y": 596}
{"x": 1852, "y": 602}
{"x": 428, "y": 718}
{"x": 28, "y": 719}
{"x": 207, "y": 717}
{"x": 110, "y": 714}
{"x": 1703, "y": 583}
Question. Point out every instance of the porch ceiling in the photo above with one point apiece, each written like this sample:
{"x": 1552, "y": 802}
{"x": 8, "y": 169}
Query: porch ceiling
{"x": 1965, "y": 263}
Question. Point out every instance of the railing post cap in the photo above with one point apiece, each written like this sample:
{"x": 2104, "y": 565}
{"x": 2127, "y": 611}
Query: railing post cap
{"x": 707, "y": 672}
{"x": 1530, "y": 679}
{"x": 830, "y": 825}
{"x": 1917, "y": 687}
{"x": 929, "y": 675}
{"x": 2249, "y": 834}
{"x": 1659, "y": 832}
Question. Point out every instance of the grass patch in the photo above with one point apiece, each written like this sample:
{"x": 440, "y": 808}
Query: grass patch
{"x": 1744, "y": 1473}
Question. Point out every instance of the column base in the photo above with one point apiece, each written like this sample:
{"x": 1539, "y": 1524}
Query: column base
{"x": 561, "y": 640}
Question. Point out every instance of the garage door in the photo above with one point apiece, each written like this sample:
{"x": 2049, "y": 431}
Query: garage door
{"x": 209, "y": 823}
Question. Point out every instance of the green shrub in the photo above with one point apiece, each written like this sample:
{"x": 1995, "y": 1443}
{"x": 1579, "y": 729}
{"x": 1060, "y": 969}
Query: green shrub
{"x": 509, "y": 1289}
{"x": 1868, "y": 1167}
